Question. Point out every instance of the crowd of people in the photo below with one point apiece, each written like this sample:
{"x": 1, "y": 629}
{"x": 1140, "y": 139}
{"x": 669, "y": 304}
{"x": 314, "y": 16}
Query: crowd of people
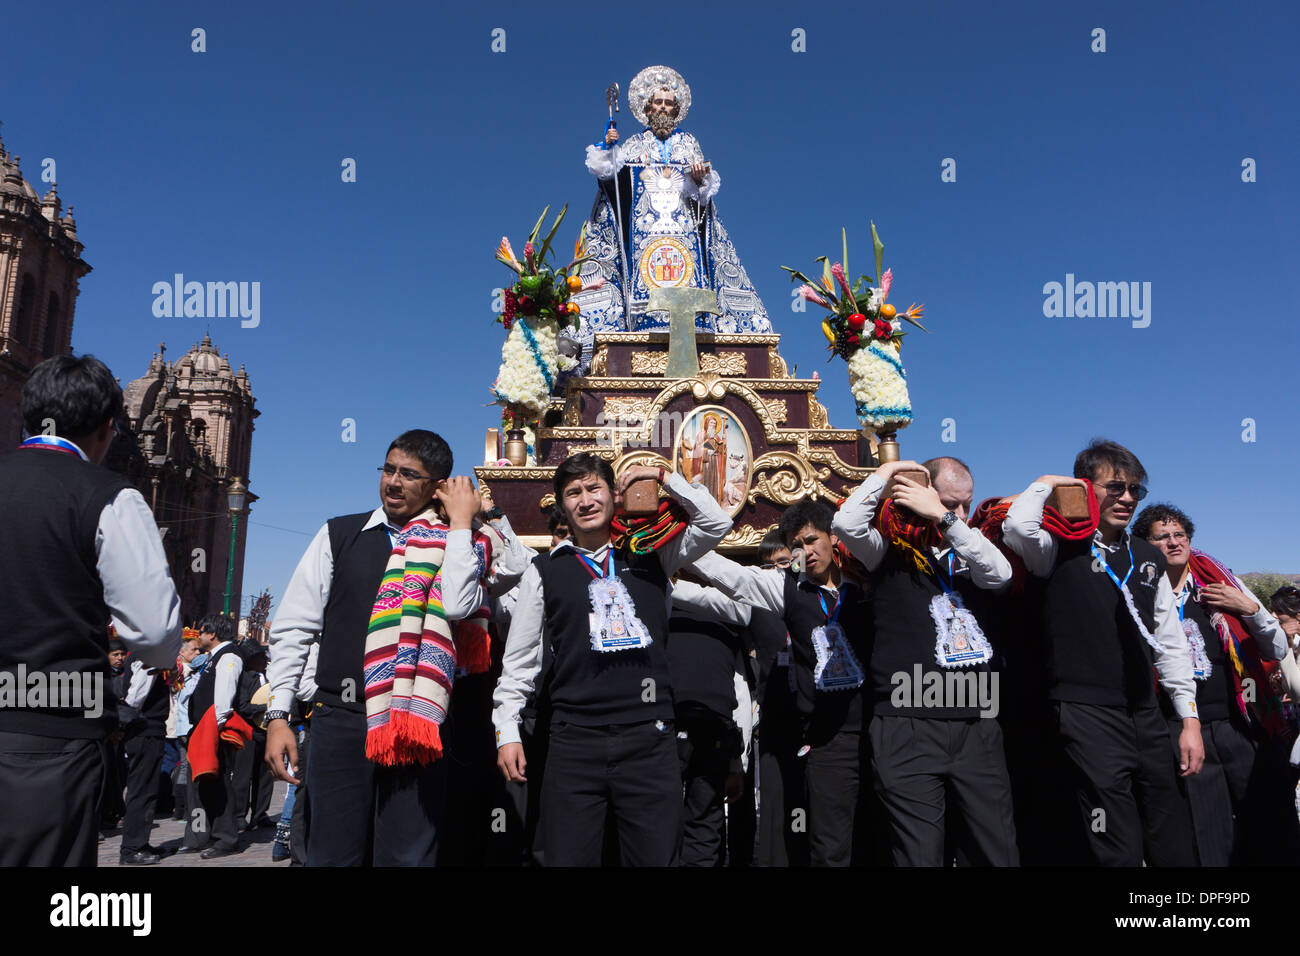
{"x": 904, "y": 679}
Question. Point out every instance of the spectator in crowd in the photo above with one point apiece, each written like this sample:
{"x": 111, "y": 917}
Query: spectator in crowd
{"x": 81, "y": 550}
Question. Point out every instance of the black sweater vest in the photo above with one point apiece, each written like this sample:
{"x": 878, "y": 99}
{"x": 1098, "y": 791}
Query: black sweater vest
{"x": 53, "y": 619}
{"x": 1215, "y": 696}
{"x": 595, "y": 688}
{"x": 1095, "y": 653}
{"x": 205, "y": 691}
{"x": 703, "y": 657}
{"x": 360, "y": 558}
{"x": 825, "y": 713}
{"x": 150, "y": 718}
{"x": 906, "y": 635}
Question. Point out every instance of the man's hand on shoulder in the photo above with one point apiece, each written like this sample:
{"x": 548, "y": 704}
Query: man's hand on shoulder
{"x": 460, "y": 501}
{"x": 1054, "y": 481}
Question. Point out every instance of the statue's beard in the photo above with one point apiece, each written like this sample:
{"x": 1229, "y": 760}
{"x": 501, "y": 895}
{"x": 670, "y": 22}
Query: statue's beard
{"x": 661, "y": 124}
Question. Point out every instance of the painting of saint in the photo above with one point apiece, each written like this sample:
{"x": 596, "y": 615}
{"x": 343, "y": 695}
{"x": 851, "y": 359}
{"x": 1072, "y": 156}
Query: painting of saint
{"x": 713, "y": 451}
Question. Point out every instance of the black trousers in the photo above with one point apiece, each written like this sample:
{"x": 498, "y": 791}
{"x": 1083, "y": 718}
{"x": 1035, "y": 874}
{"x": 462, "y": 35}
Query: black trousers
{"x": 924, "y": 769}
{"x": 253, "y": 781}
{"x": 526, "y": 798}
{"x": 362, "y": 813}
{"x": 481, "y": 826}
{"x": 705, "y": 760}
{"x": 1216, "y": 795}
{"x": 838, "y": 818}
{"x": 631, "y": 770}
{"x": 143, "y": 760}
{"x": 216, "y": 795}
{"x": 782, "y": 838}
{"x": 301, "y": 813}
{"x": 50, "y": 790}
{"x": 1126, "y": 785}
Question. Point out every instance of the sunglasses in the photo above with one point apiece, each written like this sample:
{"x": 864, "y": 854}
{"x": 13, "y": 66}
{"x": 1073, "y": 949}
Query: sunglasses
{"x": 1115, "y": 489}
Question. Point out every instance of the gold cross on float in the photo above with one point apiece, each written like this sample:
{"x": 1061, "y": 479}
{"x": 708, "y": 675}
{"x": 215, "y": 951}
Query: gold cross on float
{"x": 682, "y": 305}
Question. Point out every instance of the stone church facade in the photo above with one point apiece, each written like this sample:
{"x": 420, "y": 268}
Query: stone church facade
{"x": 186, "y": 433}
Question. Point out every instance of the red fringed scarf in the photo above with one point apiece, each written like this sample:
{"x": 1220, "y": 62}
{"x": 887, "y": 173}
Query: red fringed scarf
{"x": 990, "y": 514}
{"x": 644, "y": 535}
{"x": 915, "y": 540}
{"x": 1241, "y": 650}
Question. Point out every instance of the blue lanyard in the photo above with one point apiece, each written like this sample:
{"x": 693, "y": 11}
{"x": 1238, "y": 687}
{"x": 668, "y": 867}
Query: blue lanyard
{"x": 51, "y": 441}
{"x": 603, "y": 569}
{"x": 831, "y": 615}
{"x": 946, "y": 585}
{"x": 1096, "y": 553}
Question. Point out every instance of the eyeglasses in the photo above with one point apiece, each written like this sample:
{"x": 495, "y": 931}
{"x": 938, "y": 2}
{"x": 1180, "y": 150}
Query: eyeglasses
{"x": 1115, "y": 489}
{"x": 778, "y": 563}
{"x": 1169, "y": 536}
{"x": 406, "y": 474}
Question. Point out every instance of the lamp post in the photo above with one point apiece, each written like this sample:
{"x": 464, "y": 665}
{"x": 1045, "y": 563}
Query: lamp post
{"x": 235, "y": 497}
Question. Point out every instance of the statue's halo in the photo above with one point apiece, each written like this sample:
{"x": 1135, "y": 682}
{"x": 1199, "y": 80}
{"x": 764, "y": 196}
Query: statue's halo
{"x": 653, "y": 78}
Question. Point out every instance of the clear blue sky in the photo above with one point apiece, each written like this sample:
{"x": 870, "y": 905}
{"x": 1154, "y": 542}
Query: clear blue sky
{"x": 376, "y": 296}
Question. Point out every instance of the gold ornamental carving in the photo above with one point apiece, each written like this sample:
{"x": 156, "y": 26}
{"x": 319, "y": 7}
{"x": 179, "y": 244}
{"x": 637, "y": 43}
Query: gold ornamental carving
{"x": 546, "y": 501}
{"x": 626, "y": 410}
{"x": 776, "y": 365}
{"x": 641, "y": 456}
{"x": 745, "y": 536}
{"x": 771, "y": 339}
{"x": 783, "y": 478}
{"x": 721, "y": 363}
{"x": 776, "y": 407}
{"x": 600, "y": 362}
{"x": 818, "y": 417}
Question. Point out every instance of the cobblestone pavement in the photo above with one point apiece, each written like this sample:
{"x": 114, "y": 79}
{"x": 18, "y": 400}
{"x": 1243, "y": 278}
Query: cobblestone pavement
{"x": 167, "y": 833}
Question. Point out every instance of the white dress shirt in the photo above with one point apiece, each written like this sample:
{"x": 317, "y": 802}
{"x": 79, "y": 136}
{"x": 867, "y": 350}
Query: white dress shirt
{"x": 138, "y": 588}
{"x": 225, "y": 682}
{"x": 1023, "y": 533}
{"x": 141, "y": 683}
{"x": 522, "y": 662}
{"x": 300, "y": 616}
{"x": 989, "y": 568}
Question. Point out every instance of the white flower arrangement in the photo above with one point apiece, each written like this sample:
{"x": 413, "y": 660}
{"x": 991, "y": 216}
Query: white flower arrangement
{"x": 879, "y": 387}
{"x": 527, "y": 373}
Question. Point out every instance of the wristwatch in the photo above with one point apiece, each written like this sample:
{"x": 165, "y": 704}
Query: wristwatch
{"x": 275, "y": 715}
{"x": 947, "y": 521}
{"x": 493, "y": 513}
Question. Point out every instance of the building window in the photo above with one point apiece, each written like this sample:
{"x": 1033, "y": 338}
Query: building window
{"x": 21, "y": 329}
{"x": 52, "y": 326}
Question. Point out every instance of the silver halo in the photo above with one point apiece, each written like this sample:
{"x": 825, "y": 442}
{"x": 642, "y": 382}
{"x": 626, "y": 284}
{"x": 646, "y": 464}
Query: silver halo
{"x": 652, "y": 78}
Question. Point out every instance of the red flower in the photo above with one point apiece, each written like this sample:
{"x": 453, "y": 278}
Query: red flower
{"x": 852, "y": 338}
{"x": 883, "y": 330}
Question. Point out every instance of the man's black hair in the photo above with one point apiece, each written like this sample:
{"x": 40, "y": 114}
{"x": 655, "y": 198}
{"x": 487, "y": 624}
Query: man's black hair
{"x": 251, "y": 651}
{"x": 76, "y": 394}
{"x": 1149, "y": 515}
{"x": 429, "y": 447}
{"x": 580, "y": 466}
{"x": 555, "y": 518}
{"x": 1286, "y": 599}
{"x": 116, "y": 644}
{"x": 772, "y": 542}
{"x": 806, "y": 512}
{"x": 935, "y": 465}
{"x": 1102, "y": 452}
{"x": 220, "y": 625}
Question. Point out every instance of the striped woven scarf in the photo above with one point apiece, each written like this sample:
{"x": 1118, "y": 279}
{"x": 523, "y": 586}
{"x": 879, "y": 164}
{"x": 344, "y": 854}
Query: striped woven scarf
{"x": 412, "y": 652}
{"x": 1243, "y": 653}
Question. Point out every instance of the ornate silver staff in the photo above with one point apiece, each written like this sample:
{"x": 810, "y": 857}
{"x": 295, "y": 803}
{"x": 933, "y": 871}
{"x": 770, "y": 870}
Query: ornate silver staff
{"x": 611, "y": 100}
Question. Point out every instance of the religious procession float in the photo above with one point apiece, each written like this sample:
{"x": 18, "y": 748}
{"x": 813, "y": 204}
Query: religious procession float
{"x": 651, "y": 346}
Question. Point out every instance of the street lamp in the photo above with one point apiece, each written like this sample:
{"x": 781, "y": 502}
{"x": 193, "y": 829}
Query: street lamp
{"x": 235, "y": 498}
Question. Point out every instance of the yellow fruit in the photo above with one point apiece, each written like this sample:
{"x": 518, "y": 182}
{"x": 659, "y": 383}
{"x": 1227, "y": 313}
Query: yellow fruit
{"x": 887, "y": 311}
{"x": 575, "y": 284}
{"x": 828, "y": 331}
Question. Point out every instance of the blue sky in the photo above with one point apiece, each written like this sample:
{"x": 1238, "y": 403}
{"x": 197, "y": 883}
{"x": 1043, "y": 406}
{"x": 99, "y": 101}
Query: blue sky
{"x": 376, "y": 295}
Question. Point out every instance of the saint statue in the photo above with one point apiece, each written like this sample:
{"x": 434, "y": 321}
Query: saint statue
{"x": 655, "y": 224}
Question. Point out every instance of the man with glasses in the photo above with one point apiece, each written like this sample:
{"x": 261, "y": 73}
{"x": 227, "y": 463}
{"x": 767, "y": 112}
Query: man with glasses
{"x": 1228, "y": 635}
{"x": 363, "y": 812}
{"x": 1108, "y": 616}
